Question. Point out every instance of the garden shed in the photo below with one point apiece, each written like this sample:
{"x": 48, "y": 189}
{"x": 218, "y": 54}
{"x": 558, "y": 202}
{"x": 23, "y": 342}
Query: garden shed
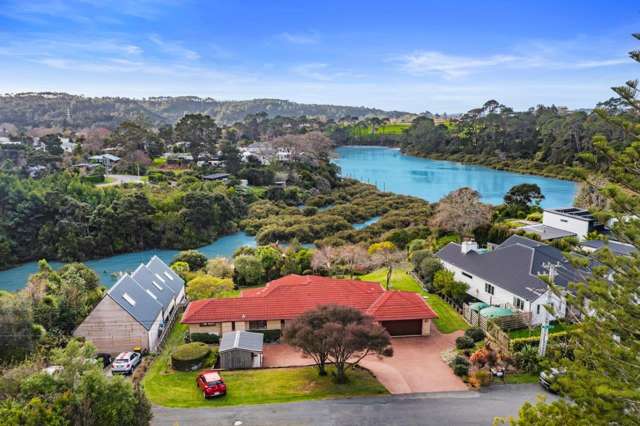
{"x": 241, "y": 349}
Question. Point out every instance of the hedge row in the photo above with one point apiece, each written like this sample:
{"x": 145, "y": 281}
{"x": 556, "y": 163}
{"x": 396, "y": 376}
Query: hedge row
{"x": 519, "y": 343}
{"x": 190, "y": 356}
{"x": 270, "y": 336}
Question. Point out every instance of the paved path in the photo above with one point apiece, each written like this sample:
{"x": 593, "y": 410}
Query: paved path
{"x": 450, "y": 408}
{"x": 119, "y": 179}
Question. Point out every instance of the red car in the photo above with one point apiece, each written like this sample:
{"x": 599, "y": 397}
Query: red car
{"x": 211, "y": 384}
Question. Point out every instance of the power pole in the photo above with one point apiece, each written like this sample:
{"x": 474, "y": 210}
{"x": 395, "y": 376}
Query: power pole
{"x": 544, "y": 331}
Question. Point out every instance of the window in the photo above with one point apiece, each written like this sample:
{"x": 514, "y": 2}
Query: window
{"x": 207, "y": 324}
{"x": 157, "y": 285}
{"x": 564, "y": 221}
{"x": 257, "y": 325}
{"x": 168, "y": 275}
{"x": 537, "y": 309}
{"x": 233, "y": 326}
{"x": 519, "y": 303}
{"x": 467, "y": 275}
{"x": 488, "y": 288}
{"x": 159, "y": 277}
{"x": 152, "y": 295}
{"x": 281, "y": 323}
{"x": 129, "y": 299}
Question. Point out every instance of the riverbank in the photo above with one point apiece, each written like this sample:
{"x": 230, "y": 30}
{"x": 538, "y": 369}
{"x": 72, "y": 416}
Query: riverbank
{"x": 522, "y": 166}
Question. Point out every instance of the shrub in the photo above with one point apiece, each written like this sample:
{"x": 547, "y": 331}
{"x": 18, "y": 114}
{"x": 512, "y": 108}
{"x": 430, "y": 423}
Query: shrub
{"x": 527, "y": 359}
{"x": 428, "y": 267}
{"x": 480, "y": 378}
{"x": 190, "y": 356}
{"x": 479, "y": 357}
{"x": 193, "y": 258}
{"x": 209, "y": 338}
{"x": 464, "y": 342}
{"x": 535, "y": 216}
{"x": 475, "y": 333}
{"x": 460, "y": 370}
{"x": 460, "y": 360}
{"x": 270, "y": 336}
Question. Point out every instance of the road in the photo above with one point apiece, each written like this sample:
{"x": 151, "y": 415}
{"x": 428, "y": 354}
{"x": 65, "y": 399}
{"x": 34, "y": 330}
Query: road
{"x": 447, "y": 408}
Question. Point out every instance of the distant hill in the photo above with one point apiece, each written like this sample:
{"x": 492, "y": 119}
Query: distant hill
{"x": 26, "y": 110}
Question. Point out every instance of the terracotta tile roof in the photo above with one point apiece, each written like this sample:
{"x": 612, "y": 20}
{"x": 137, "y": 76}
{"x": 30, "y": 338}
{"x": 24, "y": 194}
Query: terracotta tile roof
{"x": 290, "y": 296}
{"x": 400, "y": 305}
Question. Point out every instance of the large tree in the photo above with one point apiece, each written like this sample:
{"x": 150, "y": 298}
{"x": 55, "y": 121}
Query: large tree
{"x": 602, "y": 384}
{"x": 523, "y": 195}
{"x": 461, "y": 212}
{"x": 337, "y": 334}
{"x": 200, "y": 130}
{"x": 385, "y": 255}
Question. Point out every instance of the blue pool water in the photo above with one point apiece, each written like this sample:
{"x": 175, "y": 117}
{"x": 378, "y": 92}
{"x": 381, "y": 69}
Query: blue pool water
{"x": 431, "y": 180}
{"x": 387, "y": 168}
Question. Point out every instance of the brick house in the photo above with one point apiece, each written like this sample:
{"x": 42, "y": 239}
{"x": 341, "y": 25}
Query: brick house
{"x": 282, "y": 300}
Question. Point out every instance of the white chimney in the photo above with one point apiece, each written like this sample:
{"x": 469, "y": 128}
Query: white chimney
{"x": 468, "y": 245}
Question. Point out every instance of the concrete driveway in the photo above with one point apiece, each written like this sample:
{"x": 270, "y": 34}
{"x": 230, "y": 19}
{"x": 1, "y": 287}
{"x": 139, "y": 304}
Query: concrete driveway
{"x": 416, "y": 365}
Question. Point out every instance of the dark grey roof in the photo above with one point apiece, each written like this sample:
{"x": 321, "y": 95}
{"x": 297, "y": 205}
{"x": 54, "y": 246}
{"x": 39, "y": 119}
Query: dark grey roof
{"x": 574, "y": 212}
{"x": 547, "y": 232}
{"x": 149, "y": 281}
{"x": 130, "y": 295}
{"x": 167, "y": 275}
{"x": 514, "y": 265}
{"x": 245, "y": 340}
{"x": 616, "y": 247}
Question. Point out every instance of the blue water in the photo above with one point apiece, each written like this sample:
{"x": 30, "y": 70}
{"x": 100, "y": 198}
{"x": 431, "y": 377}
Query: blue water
{"x": 108, "y": 267}
{"x": 366, "y": 223}
{"x": 431, "y": 180}
{"x": 387, "y": 168}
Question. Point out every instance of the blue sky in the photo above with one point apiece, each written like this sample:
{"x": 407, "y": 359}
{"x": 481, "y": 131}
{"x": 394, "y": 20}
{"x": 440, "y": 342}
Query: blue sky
{"x": 411, "y": 56}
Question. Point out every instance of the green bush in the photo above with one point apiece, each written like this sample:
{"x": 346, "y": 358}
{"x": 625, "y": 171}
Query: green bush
{"x": 209, "y": 338}
{"x": 270, "y": 336}
{"x": 518, "y": 343}
{"x": 460, "y": 360}
{"x": 92, "y": 178}
{"x": 475, "y": 333}
{"x": 460, "y": 370}
{"x": 190, "y": 356}
{"x": 527, "y": 359}
{"x": 464, "y": 342}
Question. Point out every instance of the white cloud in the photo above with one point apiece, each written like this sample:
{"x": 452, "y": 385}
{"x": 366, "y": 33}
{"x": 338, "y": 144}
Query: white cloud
{"x": 174, "y": 48}
{"x": 420, "y": 63}
{"x": 300, "y": 38}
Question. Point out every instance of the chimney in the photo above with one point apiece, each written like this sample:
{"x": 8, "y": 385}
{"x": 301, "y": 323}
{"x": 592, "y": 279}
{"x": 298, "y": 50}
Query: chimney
{"x": 468, "y": 245}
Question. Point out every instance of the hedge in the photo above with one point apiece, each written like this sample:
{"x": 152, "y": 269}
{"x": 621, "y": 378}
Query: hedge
{"x": 190, "y": 356}
{"x": 270, "y": 336}
{"x": 464, "y": 342}
{"x": 92, "y": 178}
{"x": 519, "y": 343}
{"x": 210, "y": 338}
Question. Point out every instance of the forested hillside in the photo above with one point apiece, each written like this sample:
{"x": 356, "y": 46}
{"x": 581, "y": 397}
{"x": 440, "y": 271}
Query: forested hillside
{"x": 64, "y": 110}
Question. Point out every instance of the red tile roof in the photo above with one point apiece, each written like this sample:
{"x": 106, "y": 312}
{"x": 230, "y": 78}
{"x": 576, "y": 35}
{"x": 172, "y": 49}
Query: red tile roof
{"x": 290, "y": 296}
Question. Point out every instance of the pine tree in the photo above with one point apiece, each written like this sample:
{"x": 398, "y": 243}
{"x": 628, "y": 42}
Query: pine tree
{"x": 602, "y": 384}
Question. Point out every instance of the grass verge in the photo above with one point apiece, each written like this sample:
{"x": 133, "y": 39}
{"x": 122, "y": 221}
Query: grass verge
{"x": 448, "y": 319}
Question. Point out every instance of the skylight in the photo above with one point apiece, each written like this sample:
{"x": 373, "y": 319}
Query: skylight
{"x": 129, "y": 299}
{"x": 157, "y": 285}
{"x": 151, "y": 294}
{"x": 160, "y": 278}
{"x": 168, "y": 275}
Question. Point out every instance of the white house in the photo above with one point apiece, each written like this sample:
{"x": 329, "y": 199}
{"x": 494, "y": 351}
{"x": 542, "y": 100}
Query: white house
{"x": 135, "y": 311}
{"x": 508, "y": 276}
{"x": 565, "y": 222}
{"x": 107, "y": 160}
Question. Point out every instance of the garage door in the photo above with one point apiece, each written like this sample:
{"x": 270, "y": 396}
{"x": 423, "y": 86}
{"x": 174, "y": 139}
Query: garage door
{"x": 403, "y": 328}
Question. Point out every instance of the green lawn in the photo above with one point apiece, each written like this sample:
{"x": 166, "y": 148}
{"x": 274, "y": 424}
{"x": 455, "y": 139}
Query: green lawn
{"x": 516, "y": 379}
{"x": 535, "y": 332}
{"x": 170, "y": 388}
{"x": 448, "y": 319}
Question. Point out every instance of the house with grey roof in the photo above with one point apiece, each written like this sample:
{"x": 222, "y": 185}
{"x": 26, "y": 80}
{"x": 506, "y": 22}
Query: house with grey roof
{"x": 564, "y": 222}
{"x": 616, "y": 247}
{"x": 136, "y": 310}
{"x": 509, "y": 275}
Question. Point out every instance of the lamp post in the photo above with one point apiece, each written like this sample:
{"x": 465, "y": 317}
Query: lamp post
{"x": 544, "y": 330}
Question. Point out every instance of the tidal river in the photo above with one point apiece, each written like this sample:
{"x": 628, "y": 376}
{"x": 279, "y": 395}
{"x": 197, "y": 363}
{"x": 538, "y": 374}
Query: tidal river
{"x": 387, "y": 168}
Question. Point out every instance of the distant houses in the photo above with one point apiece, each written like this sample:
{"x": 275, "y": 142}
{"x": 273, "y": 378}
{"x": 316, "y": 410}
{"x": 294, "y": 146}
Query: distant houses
{"x": 136, "y": 310}
{"x": 107, "y": 160}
